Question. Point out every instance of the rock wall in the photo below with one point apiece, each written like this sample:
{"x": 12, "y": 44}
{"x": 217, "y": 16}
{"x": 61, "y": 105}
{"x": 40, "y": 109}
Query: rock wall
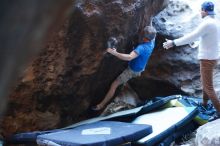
{"x": 179, "y": 65}
{"x": 73, "y": 72}
{"x": 208, "y": 134}
{"x": 24, "y": 28}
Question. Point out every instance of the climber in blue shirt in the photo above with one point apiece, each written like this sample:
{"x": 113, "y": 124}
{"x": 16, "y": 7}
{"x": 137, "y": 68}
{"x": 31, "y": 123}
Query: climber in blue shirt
{"x": 143, "y": 52}
{"x": 138, "y": 59}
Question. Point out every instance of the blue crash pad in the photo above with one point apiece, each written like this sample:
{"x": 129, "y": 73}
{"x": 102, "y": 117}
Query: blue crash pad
{"x": 103, "y": 133}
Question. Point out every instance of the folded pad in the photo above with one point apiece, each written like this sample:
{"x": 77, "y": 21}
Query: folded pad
{"x": 103, "y": 133}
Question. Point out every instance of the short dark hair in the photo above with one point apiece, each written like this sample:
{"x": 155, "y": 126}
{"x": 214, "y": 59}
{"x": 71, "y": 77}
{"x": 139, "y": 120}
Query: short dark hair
{"x": 150, "y": 32}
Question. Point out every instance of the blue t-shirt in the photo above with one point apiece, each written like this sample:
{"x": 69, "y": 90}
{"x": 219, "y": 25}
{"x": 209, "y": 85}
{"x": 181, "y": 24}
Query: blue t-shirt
{"x": 144, "y": 52}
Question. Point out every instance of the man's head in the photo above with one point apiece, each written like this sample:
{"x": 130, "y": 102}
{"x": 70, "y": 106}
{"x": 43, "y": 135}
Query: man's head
{"x": 207, "y": 8}
{"x": 149, "y": 33}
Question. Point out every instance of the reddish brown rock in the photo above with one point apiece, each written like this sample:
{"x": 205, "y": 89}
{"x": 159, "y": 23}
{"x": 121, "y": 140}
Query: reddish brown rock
{"x": 73, "y": 72}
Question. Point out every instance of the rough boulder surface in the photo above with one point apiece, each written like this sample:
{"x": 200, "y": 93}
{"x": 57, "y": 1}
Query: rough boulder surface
{"x": 179, "y": 65}
{"x": 208, "y": 134}
{"x": 72, "y": 72}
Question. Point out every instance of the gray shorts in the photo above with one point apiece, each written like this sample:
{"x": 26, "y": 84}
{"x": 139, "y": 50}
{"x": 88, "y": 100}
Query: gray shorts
{"x": 126, "y": 75}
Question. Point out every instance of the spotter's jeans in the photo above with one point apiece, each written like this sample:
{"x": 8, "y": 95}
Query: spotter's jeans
{"x": 206, "y": 70}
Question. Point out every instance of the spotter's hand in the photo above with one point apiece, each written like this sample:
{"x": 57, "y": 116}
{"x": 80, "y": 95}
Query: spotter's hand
{"x": 168, "y": 44}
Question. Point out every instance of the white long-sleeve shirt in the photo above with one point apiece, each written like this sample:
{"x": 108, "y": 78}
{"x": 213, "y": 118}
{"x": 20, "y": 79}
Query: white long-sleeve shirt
{"x": 208, "y": 32}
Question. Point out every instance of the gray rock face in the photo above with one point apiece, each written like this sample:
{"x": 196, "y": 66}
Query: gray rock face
{"x": 179, "y": 65}
{"x": 208, "y": 134}
{"x": 176, "y": 19}
{"x": 181, "y": 17}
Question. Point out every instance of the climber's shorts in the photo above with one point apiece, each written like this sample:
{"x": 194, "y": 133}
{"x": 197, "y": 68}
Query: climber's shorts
{"x": 126, "y": 75}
